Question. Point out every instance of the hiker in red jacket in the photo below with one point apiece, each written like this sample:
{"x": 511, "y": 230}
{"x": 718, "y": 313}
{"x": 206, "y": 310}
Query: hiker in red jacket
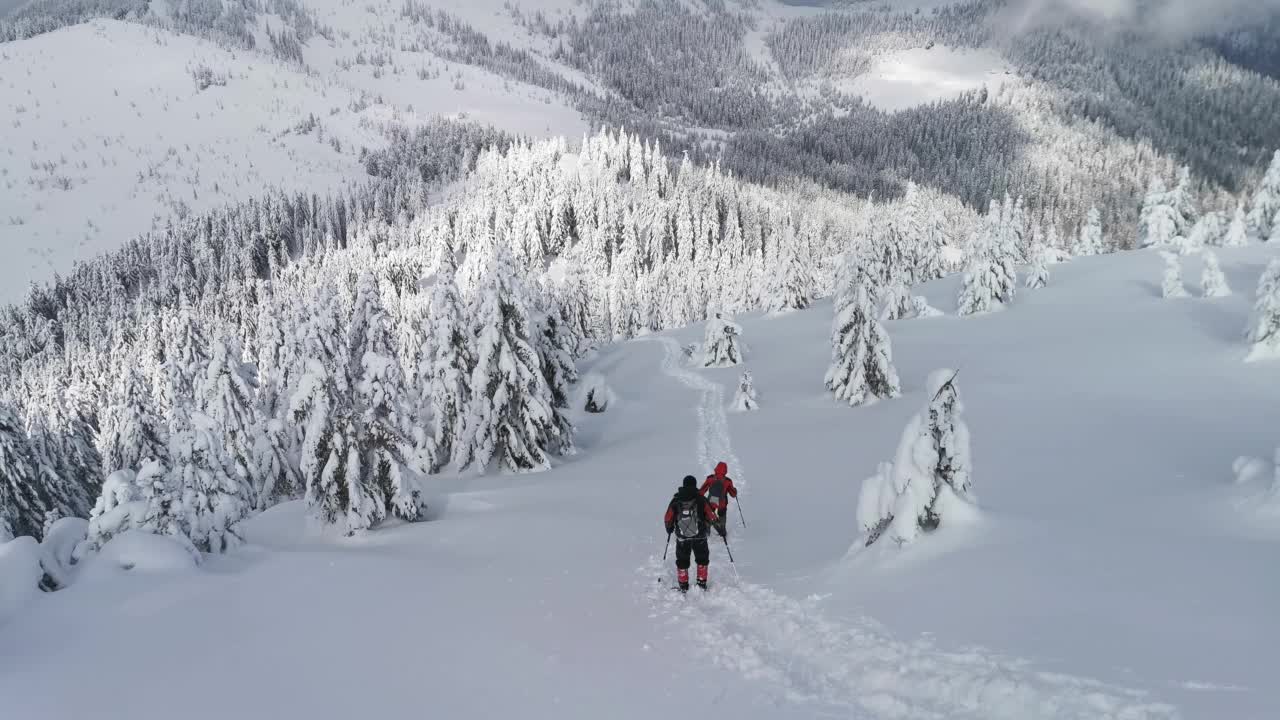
{"x": 717, "y": 489}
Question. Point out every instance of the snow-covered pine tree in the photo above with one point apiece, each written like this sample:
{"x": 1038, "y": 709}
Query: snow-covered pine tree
{"x": 1264, "y": 324}
{"x": 1238, "y": 230}
{"x": 186, "y": 356}
{"x": 861, "y": 368}
{"x": 1090, "y": 240}
{"x": 1172, "y": 286}
{"x": 1038, "y": 270}
{"x": 226, "y": 396}
{"x": 1182, "y": 200}
{"x": 131, "y": 433}
{"x": 213, "y": 502}
{"x": 1266, "y": 202}
{"x": 1213, "y": 283}
{"x": 720, "y": 342}
{"x": 790, "y": 289}
{"x": 991, "y": 279}
{"x": 510, "y": 416}
{"x": 388, "y": 469}
{"x": 23, "y": 496}
{"x": 1157, "y": 222}
{"x": 931, "y": 475}
{"x": 896, "y": 302}
{"x": 275, "y": 462}
{"x": 446, "y": 367}
{"x": 745, "y": 398}
{"x": 1208, "y": 230}
{"x": 330, "y": 461}
{"x": 555, "y": 354}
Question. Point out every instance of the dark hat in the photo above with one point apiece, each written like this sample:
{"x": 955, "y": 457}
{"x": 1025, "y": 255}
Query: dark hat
{"x": 691, "y": 482}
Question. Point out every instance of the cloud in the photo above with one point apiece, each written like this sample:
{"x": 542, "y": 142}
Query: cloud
{"x": 1167, "y": 18}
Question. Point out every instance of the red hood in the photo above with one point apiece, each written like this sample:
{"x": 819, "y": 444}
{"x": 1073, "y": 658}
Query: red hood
{"x": 722, "y": 470}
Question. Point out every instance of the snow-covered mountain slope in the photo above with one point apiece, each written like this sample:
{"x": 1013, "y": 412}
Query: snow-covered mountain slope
{"x": 1108, "y": 575}
{"x": 109, "y": 133}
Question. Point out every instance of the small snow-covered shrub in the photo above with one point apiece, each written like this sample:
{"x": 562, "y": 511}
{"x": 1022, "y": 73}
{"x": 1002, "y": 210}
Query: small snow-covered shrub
{"x": 745, "y": 398}
{"x": 1172, "y": 286}
{"x": 596, "y": 395}
{"x": 720, "y": 345}
{"x": 1264, "y": 324}
{"x": 922, "y": 309}
{"x": 20, "y": 575}
{"x": 1213, "y": 283}
{"x": 931, "y": 474}
{"x": 120, "y": 507}
{"x": 57, "y": 551}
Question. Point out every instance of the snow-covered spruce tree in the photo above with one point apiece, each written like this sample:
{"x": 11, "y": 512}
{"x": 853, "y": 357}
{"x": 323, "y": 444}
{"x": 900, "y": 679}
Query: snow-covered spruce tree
{"x": 931, "y": 474}
{"x": 991, "y": 279}
{"x": 745, "y": 398}
{"x": 389, "y": 471}
{"x": 131, "y": 433}
{"x": 896, "y": 302}
{"x": 510, "y": 416}
{"x": 1266, "y": 202}
{"x": 1038, "y": 270}
{"x": 1213, "y": 283}
{"x": 555, "y": 354}
{"x": 1208, "y": 231}
{"x": 446, "y": 367}
{"x": 1172, "y": 286}
{"x": 330, "y": 461}
{"x": 275, "y": 462}
{"x": 720, "y": 343}
{"x": 1238, "y": 230}
{"x": 187, "y": 355}
{"x": 212, "y": 501}
{"x": 1182, "y": 201}
{"x": 1090, "y": 240}
{"x": 861, "y": 358}
{"x": 1264, "y": 324}
{"x": 226, "y": 396}
{"x": 791, "y": 286}
{"x": 23, "y": 496}
{"x": 1157, "y": 220}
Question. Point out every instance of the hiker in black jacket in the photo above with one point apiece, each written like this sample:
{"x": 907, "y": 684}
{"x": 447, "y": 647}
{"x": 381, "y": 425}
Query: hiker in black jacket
{"x": 690, "y": 517}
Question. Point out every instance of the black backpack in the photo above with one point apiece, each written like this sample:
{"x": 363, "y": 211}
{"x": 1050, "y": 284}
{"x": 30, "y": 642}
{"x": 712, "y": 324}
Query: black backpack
{"x": 689, "y": 520}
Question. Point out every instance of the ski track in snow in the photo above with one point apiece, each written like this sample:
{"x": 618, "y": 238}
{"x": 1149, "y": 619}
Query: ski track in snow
{"x": 855, "y": 669}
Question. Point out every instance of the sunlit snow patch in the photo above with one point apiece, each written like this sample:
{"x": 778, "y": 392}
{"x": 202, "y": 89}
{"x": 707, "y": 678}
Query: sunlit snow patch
{"x": 907, "y": 78}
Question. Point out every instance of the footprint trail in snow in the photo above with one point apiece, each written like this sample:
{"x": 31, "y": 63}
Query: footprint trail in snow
{"x": 855, "y": 668}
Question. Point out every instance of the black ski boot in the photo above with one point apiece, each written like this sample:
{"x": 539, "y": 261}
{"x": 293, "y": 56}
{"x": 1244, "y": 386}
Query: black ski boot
{"x": 684, "y": 586}
{"x": 702, "y": 584}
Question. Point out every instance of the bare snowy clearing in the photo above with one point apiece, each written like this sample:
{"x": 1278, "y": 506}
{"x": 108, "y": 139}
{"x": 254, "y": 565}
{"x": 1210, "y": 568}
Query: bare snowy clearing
{"x": 907, "y": 78}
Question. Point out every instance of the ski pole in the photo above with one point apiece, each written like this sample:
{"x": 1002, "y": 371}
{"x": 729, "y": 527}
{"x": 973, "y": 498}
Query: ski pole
{"x": 738, "y": 502}
{"x": 666, "y": 547}
{"x": 732, "y": 564}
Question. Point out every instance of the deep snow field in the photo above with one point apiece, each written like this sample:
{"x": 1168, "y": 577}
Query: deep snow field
{"x": 107, "y": 135}
{"x": 1115, "y": 570}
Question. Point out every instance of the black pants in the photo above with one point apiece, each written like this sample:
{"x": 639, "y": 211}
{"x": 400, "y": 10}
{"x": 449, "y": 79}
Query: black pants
{"x": 722, "y": 517}
{"x": 701, "y": 552}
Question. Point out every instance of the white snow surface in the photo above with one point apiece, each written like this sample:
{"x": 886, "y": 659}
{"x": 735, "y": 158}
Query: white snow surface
{"x": 1111, "y": 573}
{"x": 918, "y": 76}
{"x": 106, "y": 134}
